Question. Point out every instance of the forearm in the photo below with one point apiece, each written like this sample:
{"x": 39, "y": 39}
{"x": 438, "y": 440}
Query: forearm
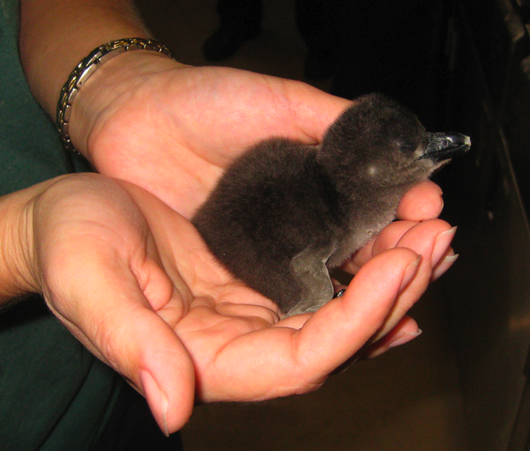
{"x": 56, "y": 34}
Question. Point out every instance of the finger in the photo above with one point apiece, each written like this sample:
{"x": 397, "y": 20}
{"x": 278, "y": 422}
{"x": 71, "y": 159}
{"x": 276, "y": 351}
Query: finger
{"x": 445, "y": 263}
{"x": 344, "y": 325}
{"x": 431, "y": 239}
{"x": 416, "y": 233}
{"x": 405, "y": 331}
{"x": 338, "y": 287}
{"x": 387, "y": 239}
{"x": 314, "y": 110}
{"x": 423, "y": 201}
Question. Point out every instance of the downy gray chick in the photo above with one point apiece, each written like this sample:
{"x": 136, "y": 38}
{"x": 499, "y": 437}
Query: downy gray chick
{"x": 285, "y": 213}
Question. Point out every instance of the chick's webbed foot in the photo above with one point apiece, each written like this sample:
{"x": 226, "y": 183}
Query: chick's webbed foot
{"x": 310, "y": 271}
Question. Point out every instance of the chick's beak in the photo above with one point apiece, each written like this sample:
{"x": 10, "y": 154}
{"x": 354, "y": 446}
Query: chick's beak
{"x": 444, "y": 146}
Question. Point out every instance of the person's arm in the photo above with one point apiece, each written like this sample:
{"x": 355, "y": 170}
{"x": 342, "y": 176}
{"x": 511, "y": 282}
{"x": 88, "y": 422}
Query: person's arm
{"x": 56, "y": 34}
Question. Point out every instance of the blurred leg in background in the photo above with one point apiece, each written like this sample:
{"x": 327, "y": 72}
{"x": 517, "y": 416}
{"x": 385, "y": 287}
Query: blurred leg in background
{"x": 317, "y": 24}
{"x": 240, "y": 21}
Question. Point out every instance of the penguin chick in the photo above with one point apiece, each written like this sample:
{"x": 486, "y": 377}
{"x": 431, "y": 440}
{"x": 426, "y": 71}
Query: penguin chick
{"x": 284, "y": 214}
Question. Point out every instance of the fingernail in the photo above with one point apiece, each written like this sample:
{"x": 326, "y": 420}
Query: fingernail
{"x": 156, "y": 399}
{"x": 405, "y": 338}
{"x": 443, "y": 266}
{"x": 441, "y": 245}
{"x": 410, "y": 272}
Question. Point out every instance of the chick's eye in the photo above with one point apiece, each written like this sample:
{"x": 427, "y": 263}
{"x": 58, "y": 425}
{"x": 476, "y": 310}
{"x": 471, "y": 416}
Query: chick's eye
{"x": 407, "y": 147}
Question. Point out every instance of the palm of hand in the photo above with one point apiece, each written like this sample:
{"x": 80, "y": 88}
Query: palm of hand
{"x": 176, "y": 131}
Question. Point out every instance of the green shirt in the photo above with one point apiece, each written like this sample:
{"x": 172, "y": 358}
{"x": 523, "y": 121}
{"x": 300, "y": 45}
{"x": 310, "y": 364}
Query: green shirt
{"x": 54, "y": 395}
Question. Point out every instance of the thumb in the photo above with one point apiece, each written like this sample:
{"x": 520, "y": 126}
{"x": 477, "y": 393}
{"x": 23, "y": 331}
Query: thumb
{"x": 314, "y": 110}
{"x": 150, "y": 355}
{"x": 114, "y": 320}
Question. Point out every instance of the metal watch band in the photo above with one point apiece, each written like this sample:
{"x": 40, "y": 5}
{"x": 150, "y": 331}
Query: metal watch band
{"x": 86, "y": 68}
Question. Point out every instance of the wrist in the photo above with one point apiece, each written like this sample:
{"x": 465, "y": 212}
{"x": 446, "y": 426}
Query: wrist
{"x": 88, "y": 67}
{"x": 18, "y": 274}
{"x": 113, "y": 84}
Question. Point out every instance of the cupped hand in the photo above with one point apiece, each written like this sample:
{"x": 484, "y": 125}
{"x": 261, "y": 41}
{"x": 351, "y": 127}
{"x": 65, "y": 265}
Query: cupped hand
{"x": 173, "y": 129}
{"x": 134, "y": 282}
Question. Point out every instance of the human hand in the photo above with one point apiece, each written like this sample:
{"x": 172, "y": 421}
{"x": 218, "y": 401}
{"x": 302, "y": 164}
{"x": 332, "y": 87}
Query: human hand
{"x": 134, "y": 282}
{"x": 173, "y": 129}
{"x": 414, "y": 229}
